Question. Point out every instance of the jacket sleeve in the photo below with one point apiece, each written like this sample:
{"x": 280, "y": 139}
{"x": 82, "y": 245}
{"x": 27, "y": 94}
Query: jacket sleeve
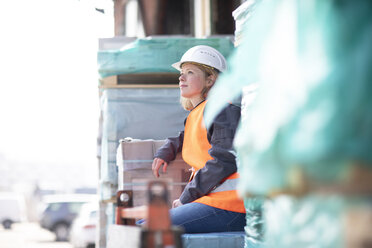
{"x": 169, "y": 150}
{"x": 221, "y": 136}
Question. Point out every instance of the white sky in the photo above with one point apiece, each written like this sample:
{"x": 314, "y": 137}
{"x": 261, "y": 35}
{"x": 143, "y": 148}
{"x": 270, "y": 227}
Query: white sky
{"x": 49, "y": 105}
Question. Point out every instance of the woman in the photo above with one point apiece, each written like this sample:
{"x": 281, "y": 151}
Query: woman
{"x": 209, "y": 202}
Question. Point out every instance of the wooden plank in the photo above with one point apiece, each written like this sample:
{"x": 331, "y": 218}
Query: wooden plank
{"x": 134, "y": 86}
{"x": 134, "y": 213}
{"x": 109, "y": 81}
{"x": 149, "y": 78}
{"x": 141, "y": 79}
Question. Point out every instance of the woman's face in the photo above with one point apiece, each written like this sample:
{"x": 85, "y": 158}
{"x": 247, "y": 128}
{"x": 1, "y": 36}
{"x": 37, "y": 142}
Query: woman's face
{"x": 192, "y": 82}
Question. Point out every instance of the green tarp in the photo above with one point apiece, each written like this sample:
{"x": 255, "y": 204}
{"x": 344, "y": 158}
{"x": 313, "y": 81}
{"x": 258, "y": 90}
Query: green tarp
{"x": 311, "y": 117}
{"x": 151, "y": 55}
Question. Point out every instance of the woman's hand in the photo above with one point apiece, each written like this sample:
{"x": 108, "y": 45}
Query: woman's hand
{"x": 176, "y": 203}
{"x": 156, "y": 166}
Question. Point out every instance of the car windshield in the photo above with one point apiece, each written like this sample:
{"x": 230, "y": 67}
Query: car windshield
{"x": 93, "y": 214}
{"x": 74, "y": 207}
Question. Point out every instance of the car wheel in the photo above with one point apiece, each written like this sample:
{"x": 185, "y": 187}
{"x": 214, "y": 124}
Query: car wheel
{"x": 61, "y": 231}
{"x": 7, "y": 224}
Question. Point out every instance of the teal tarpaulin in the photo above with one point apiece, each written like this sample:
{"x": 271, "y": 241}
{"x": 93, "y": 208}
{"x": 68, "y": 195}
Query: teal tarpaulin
{"x": 310, "y": 63}
{"x": 151, "y": 55}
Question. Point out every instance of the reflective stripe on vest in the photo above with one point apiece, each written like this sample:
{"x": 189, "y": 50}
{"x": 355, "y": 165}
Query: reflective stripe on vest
{"x": 229, "y": 184}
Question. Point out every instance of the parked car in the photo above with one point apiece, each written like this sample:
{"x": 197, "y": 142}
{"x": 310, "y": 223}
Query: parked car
{"x": 61, "y": 210}
{"x": 12, "y": 209}
{"x": 83, "y": 229}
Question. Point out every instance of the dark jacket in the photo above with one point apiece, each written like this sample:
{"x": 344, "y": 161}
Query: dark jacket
{"x": 220, "y": 135}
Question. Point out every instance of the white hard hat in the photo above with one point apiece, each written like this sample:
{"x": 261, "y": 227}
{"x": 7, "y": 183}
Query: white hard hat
{"x": 205, "y": 55}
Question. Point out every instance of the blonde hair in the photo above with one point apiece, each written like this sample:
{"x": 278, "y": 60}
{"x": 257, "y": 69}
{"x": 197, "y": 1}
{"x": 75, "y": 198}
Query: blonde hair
{"x": 208, "y": 71}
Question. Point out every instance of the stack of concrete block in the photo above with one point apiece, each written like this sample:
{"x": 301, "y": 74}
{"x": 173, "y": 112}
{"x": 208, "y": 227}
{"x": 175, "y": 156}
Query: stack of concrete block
{"x": 134, "y": 160}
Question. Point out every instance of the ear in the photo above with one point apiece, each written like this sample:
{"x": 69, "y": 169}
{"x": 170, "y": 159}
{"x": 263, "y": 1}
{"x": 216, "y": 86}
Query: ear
{"x": 211, "y": 79}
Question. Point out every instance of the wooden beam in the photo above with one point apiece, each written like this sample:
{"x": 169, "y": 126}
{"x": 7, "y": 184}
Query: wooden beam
{"x": 202, "y": 15}
{"x": 135, "y": 86}
{"x": 141, "y": 80}
{"x": 119, "y": 17}
{"x": 134, "y": 213}
{"x": 153, "y": 16}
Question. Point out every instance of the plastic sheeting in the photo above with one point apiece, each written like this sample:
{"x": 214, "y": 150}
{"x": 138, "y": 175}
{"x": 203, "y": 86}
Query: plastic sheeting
{"x": 312, "y": 114}
{"x": 308, "y": 222}
{"x": 313, "y": 108}
{"x": 154, "y": 54}
{"x": 139, "y": 114}
{"x": 318, "y": 221}
{"x": 255, "y": 227}
{"x": 241, "y": 16}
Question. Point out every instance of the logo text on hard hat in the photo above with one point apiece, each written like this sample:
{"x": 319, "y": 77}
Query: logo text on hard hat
{"x": 210, "y": 54}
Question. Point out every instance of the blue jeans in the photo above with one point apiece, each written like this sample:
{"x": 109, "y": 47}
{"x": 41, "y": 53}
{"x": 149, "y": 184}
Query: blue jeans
{"x": 200, "y": 218}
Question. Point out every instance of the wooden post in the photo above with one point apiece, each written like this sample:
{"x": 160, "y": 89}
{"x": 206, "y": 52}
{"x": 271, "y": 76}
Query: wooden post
{"x": 202, "y": 13}
{"x": 119, "y": 17}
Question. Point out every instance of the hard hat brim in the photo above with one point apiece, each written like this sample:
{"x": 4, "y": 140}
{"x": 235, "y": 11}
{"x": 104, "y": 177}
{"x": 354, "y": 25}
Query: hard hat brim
{"x": 177, "y": 65}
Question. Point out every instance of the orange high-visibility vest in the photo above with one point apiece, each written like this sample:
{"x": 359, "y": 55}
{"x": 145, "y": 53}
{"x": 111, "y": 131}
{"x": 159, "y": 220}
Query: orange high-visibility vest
{"x": 195, "y": 153}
